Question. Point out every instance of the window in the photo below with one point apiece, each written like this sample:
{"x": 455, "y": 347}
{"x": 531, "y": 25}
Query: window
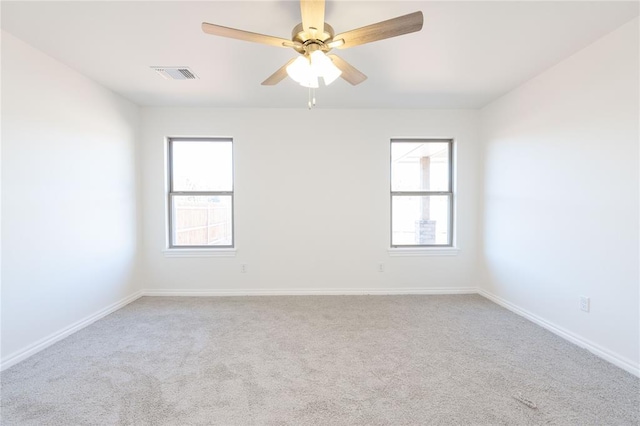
{"x": 200, "y": 199}
{"x": 421, "y": 193}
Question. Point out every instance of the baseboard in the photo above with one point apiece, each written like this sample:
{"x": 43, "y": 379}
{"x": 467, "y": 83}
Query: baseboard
{"x": 613, "y": 358}
{"x": 41, "y": 344}
{"x": 308, "y": 292}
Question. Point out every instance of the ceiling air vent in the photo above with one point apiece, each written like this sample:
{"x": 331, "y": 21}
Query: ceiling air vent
{"x": 175, "y": 73}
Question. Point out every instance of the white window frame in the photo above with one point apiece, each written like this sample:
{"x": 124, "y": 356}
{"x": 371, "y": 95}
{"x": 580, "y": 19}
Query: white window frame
{"x": 420, "y": 249}
{"x": 197, "y": 250}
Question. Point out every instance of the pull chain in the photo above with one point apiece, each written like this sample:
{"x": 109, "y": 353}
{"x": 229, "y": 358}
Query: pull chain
{"x": 312, "y": 98}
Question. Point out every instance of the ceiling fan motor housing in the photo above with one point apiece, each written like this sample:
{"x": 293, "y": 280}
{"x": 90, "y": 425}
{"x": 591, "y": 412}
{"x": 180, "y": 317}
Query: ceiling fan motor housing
{"x": 298, "y": 34}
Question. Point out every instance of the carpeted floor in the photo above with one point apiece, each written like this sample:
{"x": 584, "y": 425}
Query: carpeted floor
{"x": 317, "y": 360}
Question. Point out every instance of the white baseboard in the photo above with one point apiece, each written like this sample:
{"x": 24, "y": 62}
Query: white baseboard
{"x": 615, "y": 359}
{"x": 308, "y": 292}
{"x": 41, "y": 344}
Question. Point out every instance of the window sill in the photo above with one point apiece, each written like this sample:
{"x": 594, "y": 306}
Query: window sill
{"x": 178, "y": 252}
{"x": 424, "y": 251}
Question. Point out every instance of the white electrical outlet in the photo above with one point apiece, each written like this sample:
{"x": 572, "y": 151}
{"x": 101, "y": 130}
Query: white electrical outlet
{"x": 243, "y": 268}
{"x": 381, "y": 267}
{"x": 585, "y": 303}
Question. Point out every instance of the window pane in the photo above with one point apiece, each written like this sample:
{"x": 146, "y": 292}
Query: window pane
{"x": 202, "y": 166}
{"x": 420, "y": 166}
{"x": 202, "y": 220}
{"x": 420, "y": 220}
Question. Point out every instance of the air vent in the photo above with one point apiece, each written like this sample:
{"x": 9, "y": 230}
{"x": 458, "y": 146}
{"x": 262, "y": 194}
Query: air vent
{"x": 175, "y": 73}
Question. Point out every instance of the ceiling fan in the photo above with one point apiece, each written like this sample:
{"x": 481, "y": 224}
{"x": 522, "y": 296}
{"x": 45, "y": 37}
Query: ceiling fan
{"x": 313, "y": 38}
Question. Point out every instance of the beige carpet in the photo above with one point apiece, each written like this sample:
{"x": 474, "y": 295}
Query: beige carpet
{"x": 317, "y": 360}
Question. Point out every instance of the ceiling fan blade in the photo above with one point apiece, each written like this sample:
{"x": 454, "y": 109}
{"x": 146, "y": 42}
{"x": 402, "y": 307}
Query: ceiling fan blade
{"x": 278, "y": 76}
{"x": 349, "y": 73}
{"x": 312, "y": 16}
{"x": 219, "y": 30}
{"x": 386, "y": 29}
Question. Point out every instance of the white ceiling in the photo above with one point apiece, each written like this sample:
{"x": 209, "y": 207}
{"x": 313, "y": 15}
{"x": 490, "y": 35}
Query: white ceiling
{"x": 468, "y": 53}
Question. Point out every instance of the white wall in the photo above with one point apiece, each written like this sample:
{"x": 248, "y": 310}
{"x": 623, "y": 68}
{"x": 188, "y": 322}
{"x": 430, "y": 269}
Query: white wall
{"x": 561, "y": 196}
{"x": 312, "y": 200}
{"x": 69, "y": 233}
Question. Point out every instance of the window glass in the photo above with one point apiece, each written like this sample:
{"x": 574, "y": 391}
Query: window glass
{"x": 201, "y": 193}
{"x": 202, "y": 220}
{"x": 420, "y": 220}
{"x": 420, "y": 166}
{"x": 202, "y": 166}
{"x": 421, "y": 193}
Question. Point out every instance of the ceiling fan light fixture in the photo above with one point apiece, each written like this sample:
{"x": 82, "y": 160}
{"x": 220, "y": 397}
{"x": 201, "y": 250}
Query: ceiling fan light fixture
{"x": 302, "y": 72}
{"x": 324, "y": 67}
{"x": 299, "y": 69}
{"x": 331, "y": 75}
{"x": 305, "y": 70}
{"x": 311, "y": 82}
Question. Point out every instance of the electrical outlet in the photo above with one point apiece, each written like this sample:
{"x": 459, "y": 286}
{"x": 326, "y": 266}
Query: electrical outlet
{"x": 381, "y": 267}
{"x": 243, "y": 268}
{"x": 585, "y": 303}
